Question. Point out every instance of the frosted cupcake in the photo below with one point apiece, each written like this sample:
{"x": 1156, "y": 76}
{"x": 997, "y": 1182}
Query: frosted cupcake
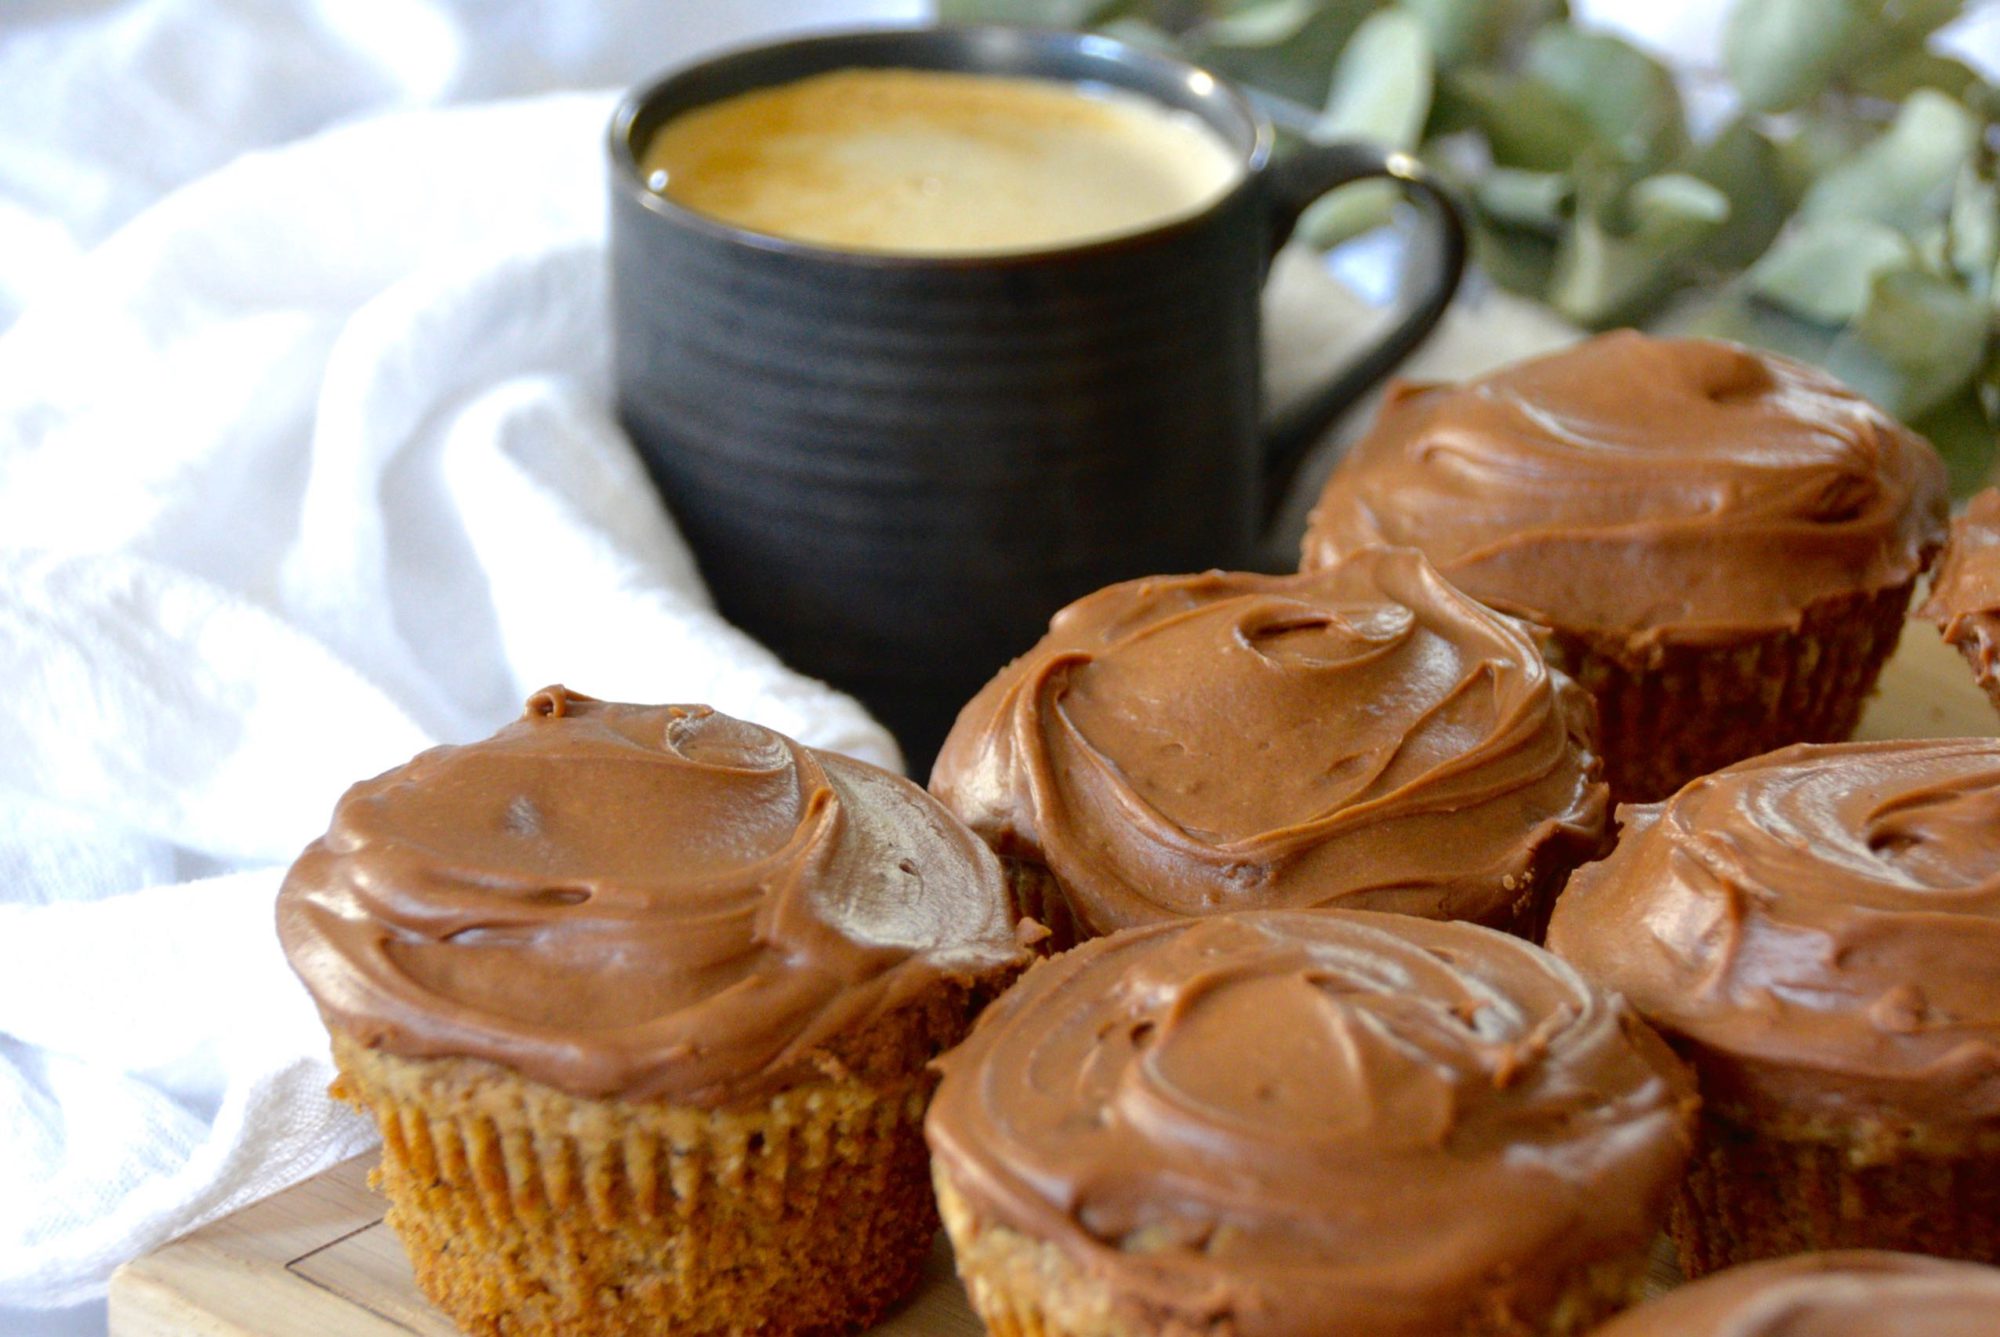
{"x": 1363, "y": 736}
{"x": 642, "y": 1000}
{"x": 1853, "y": 1294}
{"x": 1818, "y": 931}
{"x": 1965, "y": 594}
{"x": 1286, "y": 1124}
{"x": 1723, "y": 542}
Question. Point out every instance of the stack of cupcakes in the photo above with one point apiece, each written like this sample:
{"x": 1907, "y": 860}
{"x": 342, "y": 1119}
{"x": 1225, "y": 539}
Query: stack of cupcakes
{"x": 650, "y": 1003}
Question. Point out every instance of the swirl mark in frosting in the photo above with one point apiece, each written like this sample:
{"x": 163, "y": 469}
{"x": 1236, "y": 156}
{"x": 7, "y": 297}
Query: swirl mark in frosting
{"x": 634, "y": 900}
{"x": 1857, "y": 1293}
{"x": 1821, "y": 923}
{"x": 1319, "y": 1120}
{"x": 1641, "y": 488}
{"x": 1363, "y": 735}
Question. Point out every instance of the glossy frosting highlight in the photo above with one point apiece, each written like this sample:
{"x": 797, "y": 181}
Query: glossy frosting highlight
{"x": 1965, "y": 590}
{"x": 637, "y": 901}
{"x": 1641, "y": 488}
{"x": 1821, "y": 925}
{"x": 1363, "y": 735}
{"x": 1850, "y": 1294}
{"x": 1293, "y": 1123}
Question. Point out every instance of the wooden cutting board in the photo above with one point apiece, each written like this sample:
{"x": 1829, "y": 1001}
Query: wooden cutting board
{"x": 317, "y": 1260}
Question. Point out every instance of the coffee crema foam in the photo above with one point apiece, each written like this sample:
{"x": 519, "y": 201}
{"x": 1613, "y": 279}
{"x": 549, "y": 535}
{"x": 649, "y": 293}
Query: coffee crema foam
{"x": 935, "y": 163}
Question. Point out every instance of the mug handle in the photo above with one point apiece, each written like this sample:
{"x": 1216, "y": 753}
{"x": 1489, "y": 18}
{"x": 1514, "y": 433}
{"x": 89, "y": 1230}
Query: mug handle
{"x": 1295, "y": 183}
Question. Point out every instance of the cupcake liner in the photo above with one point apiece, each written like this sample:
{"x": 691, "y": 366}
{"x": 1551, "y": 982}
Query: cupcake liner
{"x": 1685, "y": 710}
{"x": 528, "y": 1210}
{"x": 1022, "y": 1287}
{"x": 1752, "y": 1194}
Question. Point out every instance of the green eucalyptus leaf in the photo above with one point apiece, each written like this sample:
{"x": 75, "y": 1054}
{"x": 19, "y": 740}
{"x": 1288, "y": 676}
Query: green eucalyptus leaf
{"x": 1742, "y": 163}
{"x": 1919, "y": 340}
{"x": 1347, "y": 213}
{"x": 1381, "y": 88}
{"x": 1296, "y": 68}
{"x": 1259, "y": 23}
{"x": 1600, "y": 280}
{"x": 1140, "y": 33}
{"x": 1974, "y": 230}
{"x": 1606, "y": 276}
{"x": 1903, "y": 177}
{"x": 1463, "y": 31}
{"x": 1915, "y": 19}
{"x": 1899, "y": 75}
{"x": 1963, "y": 434}
{"x": 1783, "y": 53}
{"x": 1458, "y": 30}
{"x": 1674, "y": 211}
{"x": 1737, "y": 315}
{"x": 1519, "y": 261}
{"x": 1526, "y": 124}
{"x": 1043, "y": 13}
{"x": 1815, "y": 143}
{"x": 1381, "y": 93}
{"x": 1824, "y": 270}
{"x": 1535, "y": 200}
{"x": 1597, "y": 276}
{"x": 1626, "y": 96}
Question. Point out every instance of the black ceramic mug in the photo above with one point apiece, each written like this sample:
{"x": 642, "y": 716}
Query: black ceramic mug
{"x": 893, "y": 468}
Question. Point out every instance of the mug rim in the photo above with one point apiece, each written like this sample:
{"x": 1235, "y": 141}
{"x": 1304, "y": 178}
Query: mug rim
{"x": 626, "y": 173}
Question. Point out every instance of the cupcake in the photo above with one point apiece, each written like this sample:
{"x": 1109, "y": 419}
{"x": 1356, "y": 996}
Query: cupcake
{"x": 1852, "y": 1294}
{"x": 1362, "y": 736}
{"x": 1818, "y": 931}
{"x": 1289, "y": 1123}
{"x": 642, "y": 999}
{"x": 1723, "y": 542}
{"x": 1965, "y": 593}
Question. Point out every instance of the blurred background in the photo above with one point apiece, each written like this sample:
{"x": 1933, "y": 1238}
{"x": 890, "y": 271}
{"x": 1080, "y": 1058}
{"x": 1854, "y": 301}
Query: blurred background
{"x": 1812, "y": 175}
{"x": 1816, "y": 176}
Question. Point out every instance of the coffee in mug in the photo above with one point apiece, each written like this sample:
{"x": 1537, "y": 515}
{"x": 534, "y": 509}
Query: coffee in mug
{"x": 939, "y": 162}
{"x": 896, "y": 451}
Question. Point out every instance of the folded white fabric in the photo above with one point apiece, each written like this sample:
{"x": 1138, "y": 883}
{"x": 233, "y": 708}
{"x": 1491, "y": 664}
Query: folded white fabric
{"x": 312, "y": 468}
{"x": 308, "y": 468}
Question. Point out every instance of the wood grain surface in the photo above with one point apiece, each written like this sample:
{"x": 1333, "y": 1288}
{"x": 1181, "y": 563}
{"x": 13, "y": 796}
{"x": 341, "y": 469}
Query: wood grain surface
{"x": 317, "y": 1260}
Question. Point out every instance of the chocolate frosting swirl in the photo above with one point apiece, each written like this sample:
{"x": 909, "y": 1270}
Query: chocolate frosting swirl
{"x": 1290, "y": 1123}
{"x": 1641, "y": 489}
{"x": 1965, "y": 592}
{"x": 1820, "y": 924}
{"x": 637, "y": 901}
{"x": 1363, "y": 735}
{"x": 1850, "y": 1294}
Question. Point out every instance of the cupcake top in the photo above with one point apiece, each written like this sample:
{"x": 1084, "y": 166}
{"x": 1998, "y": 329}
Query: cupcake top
{"x": 1851, "y": 1294}
{"x": 1822, "y": 924}
{"x": 1965, "y": 592}
{"x": 1295, "y": 1122}
{"x": 637, "y": 901}
{"x": 1642, "y": 489}
{"x": 1363, "y": 735}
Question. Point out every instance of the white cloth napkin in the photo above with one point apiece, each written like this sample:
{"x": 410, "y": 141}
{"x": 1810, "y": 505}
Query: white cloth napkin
{"x": 307, "y": 468}
{"x": 310, "y": 469}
